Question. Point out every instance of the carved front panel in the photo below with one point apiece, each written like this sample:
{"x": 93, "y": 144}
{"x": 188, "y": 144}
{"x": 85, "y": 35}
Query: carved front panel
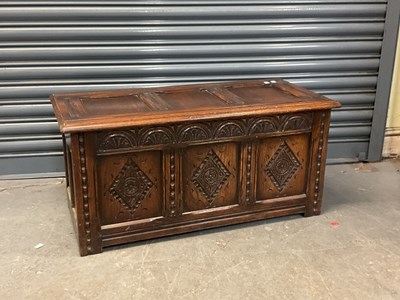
{"x": 130, "y": 186}
{"x": 282, "y": 166}
{"x": 210, "y": 176}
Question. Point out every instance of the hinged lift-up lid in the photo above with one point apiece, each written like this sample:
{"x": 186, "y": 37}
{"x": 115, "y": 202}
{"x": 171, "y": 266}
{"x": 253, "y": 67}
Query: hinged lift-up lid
{"x": 151, "y": 106}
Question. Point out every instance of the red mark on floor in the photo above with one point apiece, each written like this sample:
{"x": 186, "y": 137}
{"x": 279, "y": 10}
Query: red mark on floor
{"x": 334, "y": 223}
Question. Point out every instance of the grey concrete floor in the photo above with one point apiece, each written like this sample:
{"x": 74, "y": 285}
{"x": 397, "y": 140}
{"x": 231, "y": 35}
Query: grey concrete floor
{"x": 351, "y": 251}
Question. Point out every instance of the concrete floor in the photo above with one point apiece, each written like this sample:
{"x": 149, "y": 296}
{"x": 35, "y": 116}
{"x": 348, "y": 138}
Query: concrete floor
{"x": 351, "y": 251}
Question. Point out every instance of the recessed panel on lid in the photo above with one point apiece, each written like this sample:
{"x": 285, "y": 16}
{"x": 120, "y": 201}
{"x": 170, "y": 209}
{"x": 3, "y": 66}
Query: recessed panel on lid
{"x": 263, "y": 95}
{"x": 192, "y": 99}
{"x": 114, "y": 105}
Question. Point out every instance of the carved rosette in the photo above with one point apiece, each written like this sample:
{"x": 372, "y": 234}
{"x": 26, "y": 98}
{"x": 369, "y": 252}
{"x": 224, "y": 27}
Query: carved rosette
{"x": 282, "y": 166}
{"x": 131, "y": 186}
{"x": 210, "y": 176}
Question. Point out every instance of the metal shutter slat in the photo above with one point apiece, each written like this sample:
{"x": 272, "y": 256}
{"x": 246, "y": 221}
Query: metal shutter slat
{"x": 333, "y": 47}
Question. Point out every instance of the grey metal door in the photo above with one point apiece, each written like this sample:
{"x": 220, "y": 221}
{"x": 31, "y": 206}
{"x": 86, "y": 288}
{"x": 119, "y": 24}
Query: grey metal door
{"x": 342, "y": 49}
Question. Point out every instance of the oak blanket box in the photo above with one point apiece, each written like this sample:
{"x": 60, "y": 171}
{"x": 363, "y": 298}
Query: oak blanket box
{"x": 145, "y": 163}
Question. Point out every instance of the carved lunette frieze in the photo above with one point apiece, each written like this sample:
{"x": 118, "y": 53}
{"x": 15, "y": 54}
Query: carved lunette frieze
{"x": 202, "y": 131}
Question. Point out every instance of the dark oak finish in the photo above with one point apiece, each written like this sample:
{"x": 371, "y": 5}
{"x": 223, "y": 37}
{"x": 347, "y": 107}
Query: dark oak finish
{"x": 145, "y": 163}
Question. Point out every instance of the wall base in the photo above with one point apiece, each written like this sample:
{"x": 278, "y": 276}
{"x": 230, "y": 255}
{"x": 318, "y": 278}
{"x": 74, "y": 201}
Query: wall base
{"x": 391, "y": 146}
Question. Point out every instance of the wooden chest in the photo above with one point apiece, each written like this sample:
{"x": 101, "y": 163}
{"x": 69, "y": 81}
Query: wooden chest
{"x": 145, "y": 163}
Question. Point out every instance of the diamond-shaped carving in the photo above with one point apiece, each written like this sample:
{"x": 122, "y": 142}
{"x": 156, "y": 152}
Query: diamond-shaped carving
{"x": 210, "y": 176}
{"x": 282, "y": 166}
{"x": 130, "y": 186}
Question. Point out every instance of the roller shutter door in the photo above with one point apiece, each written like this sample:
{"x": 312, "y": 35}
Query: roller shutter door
{"x": 332, "y": 47}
